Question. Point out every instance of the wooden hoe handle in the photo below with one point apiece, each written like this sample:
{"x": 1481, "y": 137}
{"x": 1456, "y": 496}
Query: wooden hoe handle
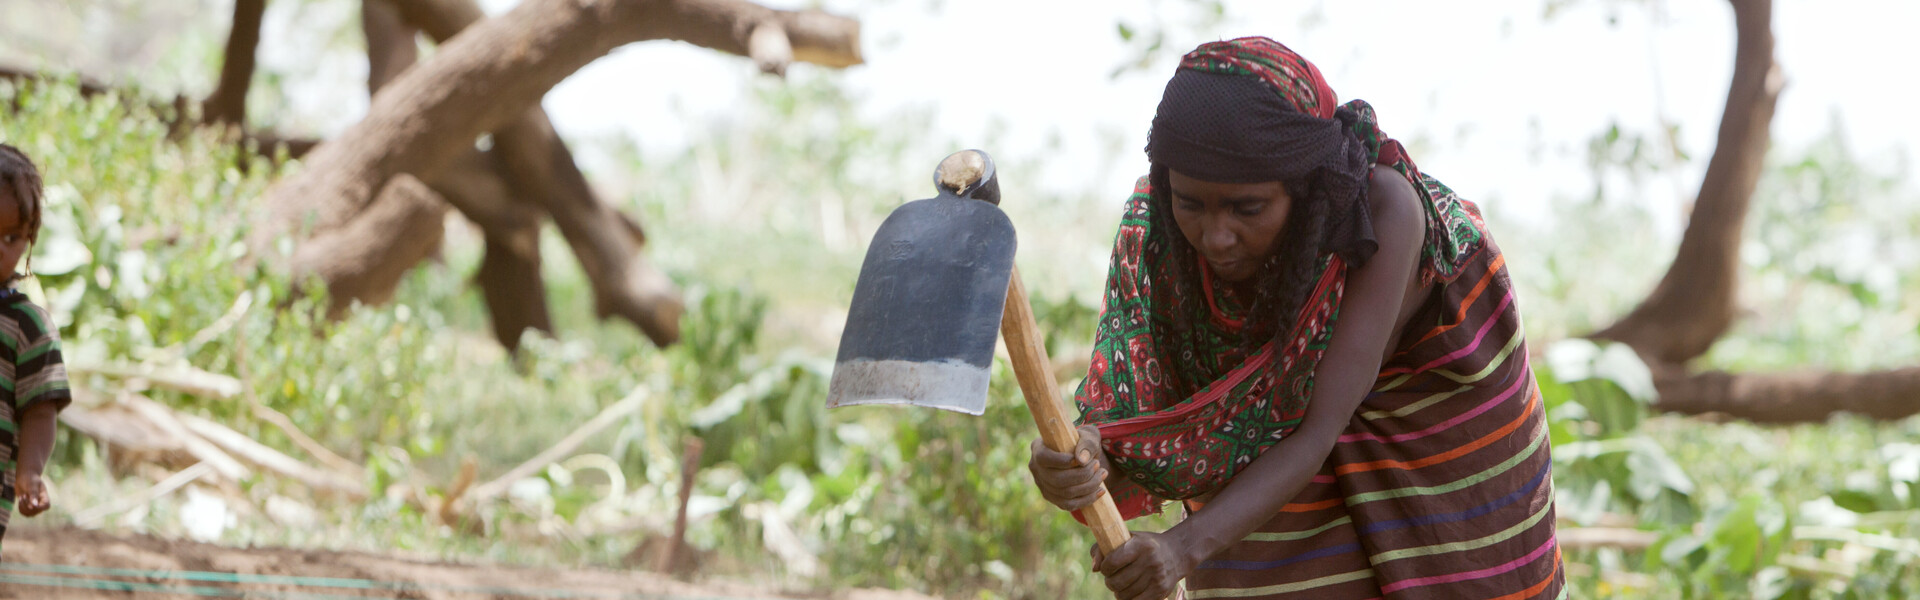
{"x": 1031, "y": 367}
{"x": 970, "y": 174}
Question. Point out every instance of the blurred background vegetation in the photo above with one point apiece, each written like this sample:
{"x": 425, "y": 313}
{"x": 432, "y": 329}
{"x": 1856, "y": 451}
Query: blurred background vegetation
{"x": 143, "y": 252}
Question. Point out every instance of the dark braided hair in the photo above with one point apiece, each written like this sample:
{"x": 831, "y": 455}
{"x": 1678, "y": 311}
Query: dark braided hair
{"x": 21, "y": 180}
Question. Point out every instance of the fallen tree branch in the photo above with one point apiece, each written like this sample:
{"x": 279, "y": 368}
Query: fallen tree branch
{"x": 390, "y": 42}
{"x": 305, "y": 442}
{"x": 363, "y": 259}
{"x": 164, "y": 418}
{"x": 1589, "y": 538}
{"x": 1790, "y": 397}
{"x": 566, "y": 446}
{"x": 434, "y": 111}
{"x": 272, "y": 460}
{"x": 279, "y": 420}
{"x": 509, "y": 273}
{"x": 179, "y": 378}
{"x": 469, "y": 468}
{"x": 89, "y": 517}
{"x": 542, "y": 174}
{"x": 606, "y": 241}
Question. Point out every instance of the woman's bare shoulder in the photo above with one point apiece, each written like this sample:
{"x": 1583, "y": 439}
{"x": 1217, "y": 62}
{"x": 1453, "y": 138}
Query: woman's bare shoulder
{"x": 1394, "y": 206}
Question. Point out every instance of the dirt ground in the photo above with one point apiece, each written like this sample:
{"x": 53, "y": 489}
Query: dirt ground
{"x": 41, "y": 563}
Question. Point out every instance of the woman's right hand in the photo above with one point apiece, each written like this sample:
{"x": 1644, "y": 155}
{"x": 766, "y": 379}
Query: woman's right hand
{"x": 1070, "y": 481}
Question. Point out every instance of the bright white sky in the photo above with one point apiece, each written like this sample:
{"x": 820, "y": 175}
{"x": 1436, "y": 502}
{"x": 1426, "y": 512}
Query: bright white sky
{"x": 1500, "y": 101}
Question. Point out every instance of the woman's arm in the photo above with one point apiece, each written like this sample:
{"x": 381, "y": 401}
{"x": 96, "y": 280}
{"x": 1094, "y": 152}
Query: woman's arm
{"x": 1369, "y": 322}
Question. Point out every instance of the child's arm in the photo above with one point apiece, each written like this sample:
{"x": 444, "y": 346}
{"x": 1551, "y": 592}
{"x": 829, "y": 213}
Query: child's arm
{"x": 40, "y": 380}
{"x": 36, "y": 442}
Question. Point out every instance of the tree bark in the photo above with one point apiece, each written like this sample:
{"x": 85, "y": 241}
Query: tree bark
{"x": 1792, "y": 397}
{"x": 364, "y": 259}
{"x": 391, "y": 44}
{"x": 481, "y": 79}
{"x": 441, "y": 19}
{"x": 543, "y": 172}
{"x": 1694, "y": 303}
{"x": 489, "y": 75}
{"x": 606, "y": 241}
{"x": 509, "y": 274}
{"x": 228, "y": 103}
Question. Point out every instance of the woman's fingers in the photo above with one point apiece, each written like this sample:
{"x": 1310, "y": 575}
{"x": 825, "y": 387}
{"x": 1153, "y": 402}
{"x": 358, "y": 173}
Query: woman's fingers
{"x": 1146, "y": 586}
{"x": 1088, "y": 448}
{"x": 1091, "y": 485}
{"x": 1080, "y": 495}
{"x": 1126, "y": 583}
{"x": 1120, "y": 557}
{"x": 1047, "y": 458}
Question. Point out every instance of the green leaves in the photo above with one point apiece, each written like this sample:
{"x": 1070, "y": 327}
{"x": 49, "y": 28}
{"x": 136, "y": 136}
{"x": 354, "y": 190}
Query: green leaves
{"x": 1733, "y": 545}
{"x": 1609, "y": 381}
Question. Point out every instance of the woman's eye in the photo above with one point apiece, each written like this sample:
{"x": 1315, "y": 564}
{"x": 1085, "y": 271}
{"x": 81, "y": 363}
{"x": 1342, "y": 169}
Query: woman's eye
{"x": 1249, "y": 209}
{"x": 1188, "y": 206}
{"x": 10, "y": 238}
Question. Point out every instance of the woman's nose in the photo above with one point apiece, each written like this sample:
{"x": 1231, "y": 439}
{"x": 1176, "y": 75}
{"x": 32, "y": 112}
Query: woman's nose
{"x": 1217, "y": 238}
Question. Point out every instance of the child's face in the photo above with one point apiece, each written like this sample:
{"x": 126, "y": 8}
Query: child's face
{"x": 14, "y": 236}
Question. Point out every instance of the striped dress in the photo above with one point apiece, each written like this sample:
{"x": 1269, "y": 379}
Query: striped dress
{"x": 31, "y": 373}
{"x": 1440, "y": 486}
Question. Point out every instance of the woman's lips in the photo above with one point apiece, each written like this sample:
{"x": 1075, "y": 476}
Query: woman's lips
{"x": 1227, "y": 266}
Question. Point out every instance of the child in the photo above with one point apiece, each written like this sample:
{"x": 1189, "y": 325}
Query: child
{"x": 32, "y": 378}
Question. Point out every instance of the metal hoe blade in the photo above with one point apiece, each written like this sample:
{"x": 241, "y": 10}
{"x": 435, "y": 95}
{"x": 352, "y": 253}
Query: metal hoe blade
{"x": 927, "y": 306}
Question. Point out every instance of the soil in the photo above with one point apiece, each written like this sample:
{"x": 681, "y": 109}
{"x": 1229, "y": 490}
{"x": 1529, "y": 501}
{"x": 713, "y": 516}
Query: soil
{"x": 30, "y": 551}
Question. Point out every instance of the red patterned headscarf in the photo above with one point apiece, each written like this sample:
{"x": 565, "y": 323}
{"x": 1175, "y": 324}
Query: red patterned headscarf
{"x": 1187, "y": 382}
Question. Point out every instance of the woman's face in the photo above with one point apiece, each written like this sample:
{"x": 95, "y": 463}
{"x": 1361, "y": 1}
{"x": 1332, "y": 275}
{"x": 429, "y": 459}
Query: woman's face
{"x": 1233, "y": 225}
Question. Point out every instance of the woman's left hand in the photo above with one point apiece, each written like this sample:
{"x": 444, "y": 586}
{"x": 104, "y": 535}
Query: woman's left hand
{"x": 1147, "y": 567}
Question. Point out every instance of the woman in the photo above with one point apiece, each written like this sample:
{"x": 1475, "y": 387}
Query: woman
{"x": 1316, "y": 348}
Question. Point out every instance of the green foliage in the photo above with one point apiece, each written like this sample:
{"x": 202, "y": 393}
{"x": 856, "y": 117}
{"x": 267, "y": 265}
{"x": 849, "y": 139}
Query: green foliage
{"x": 1807, "y": 511}
{"x": 144, "y": 261}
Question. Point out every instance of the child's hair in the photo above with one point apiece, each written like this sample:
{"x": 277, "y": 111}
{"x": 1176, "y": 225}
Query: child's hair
{"x": 20, "y": 179}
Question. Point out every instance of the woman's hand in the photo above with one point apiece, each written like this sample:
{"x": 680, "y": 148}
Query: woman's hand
{"x": 1147, "y": 567}
{"x": 31, "y": 493}
{"x": 1071, "y": 481}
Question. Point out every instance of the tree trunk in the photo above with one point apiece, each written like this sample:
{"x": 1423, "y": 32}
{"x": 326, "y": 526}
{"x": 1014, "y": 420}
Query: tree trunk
{"x": 228, "y": 103}
{"x": 492, "y": 73}
{"x": 1693, "y": 305}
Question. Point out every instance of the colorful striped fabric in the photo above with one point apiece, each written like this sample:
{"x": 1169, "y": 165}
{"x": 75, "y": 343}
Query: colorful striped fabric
{"x": 31, "y": 372}
{"x": 1440, "y": 487}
